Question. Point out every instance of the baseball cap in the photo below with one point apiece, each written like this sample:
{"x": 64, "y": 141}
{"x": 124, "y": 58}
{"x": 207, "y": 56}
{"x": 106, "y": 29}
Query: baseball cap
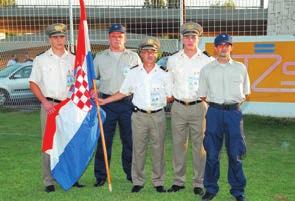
{"x": 223, "y": 39}
{"x": 117, "y": 28}
{"x": 57, "y": 29}
{"x": 150, "y": 43}
{"x": 191, "y": 28}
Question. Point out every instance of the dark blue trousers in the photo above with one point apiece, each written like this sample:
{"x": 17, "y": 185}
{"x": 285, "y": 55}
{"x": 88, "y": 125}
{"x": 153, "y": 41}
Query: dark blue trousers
{"x": 229, "y": 124}
{"x": 116, "y": 112}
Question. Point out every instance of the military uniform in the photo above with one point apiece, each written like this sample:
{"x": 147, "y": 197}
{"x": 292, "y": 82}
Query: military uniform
{"x": 51, "y": 73}
{"x": 225, "y": 87}
{"x": 188, "y": 111}
{"x": 111, "y": 68}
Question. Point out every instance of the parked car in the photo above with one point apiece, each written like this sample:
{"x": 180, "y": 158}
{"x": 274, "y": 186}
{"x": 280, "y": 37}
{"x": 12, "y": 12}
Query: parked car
{"x": 14, "y": 82}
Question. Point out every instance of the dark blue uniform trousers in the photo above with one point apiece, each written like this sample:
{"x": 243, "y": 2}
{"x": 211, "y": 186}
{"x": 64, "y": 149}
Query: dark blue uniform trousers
{"x": 229, "y": 124}
{"x": 116, "y": 112}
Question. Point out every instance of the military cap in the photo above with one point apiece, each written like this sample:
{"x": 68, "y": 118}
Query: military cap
{"x": 223, "y": 39}
{"x": 191, "y": 28}
{"x": 150, "y": 43}
{"x": 117, "y": 28}
{"x": 57, "y": 29}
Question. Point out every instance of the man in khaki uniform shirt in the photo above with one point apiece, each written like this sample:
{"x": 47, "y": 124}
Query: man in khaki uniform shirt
{"x": 50, "y": 81}
{"x": 188, "y": 111}
{"x": 224, "y": 83}
{"x": 150, "y": 87}
{"x": 112, "y": 65}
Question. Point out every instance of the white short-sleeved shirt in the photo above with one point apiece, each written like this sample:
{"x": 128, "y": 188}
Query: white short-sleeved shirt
{"x": 50, "y": 72}
{"x": 149, "y": 90}
{"x": 224, "y": 83}
{"x": 184, "y": 73}
{"x": 111, "y": 69}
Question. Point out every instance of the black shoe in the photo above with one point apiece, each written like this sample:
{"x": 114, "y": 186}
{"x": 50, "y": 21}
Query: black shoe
{"x": 160, "y": 189}
{"x": 207, "y": 196}
{"x": 78, "y": 185}
{"x": 240, "y": 198}
{"x": 136, "y": 189}
{"x": 99, "y": 183}
{"x": 49, "y": 188}
{"x": 199, "y": 191}
{"x": 175, "y": 188}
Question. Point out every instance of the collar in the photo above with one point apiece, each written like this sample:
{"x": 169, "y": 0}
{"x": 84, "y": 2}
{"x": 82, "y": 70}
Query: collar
{"x": 231, "y": 61}
{"x": 51, "y": 53}
{"x": 155, "y": 69}
{"x": 125, "y": 51}
{"x": 199, "y": 53}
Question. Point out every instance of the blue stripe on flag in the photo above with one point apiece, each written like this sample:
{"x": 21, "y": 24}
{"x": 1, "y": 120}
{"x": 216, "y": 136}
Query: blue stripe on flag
{"x": 68, "y": 171}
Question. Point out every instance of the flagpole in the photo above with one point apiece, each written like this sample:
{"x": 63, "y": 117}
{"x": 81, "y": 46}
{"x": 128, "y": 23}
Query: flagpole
{"x": 106, "y": 161}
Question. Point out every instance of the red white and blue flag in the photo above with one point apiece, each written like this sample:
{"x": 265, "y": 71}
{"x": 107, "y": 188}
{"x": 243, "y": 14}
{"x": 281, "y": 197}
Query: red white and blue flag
{"x": 72, "y": 132}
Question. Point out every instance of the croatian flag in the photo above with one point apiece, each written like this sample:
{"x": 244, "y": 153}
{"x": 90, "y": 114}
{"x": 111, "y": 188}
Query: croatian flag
{"x": 72, "y": 132}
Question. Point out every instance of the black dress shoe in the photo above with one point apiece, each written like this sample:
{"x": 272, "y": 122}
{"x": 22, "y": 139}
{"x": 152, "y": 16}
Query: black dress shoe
{"x": 78, "y": 185}
{"x": 160, "y": 189}
{"x": 49, "y": 188}
{"x": 199, "y": 191}
{"x": 207, "y": 196}
{"x": 240, "y": 198}
{"x": 175, "y": 188}
{"x": 136, "y": 189}
{"x": 99, "y": 183}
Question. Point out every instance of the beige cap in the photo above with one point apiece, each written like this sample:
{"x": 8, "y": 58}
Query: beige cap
{"x": 191, "y": 28}
{"x": 150, "y": 43}
{"x": 57, "y": 29}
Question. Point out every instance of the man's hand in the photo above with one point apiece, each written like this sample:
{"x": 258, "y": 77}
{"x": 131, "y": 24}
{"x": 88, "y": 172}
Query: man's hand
{"x": 101, "y": 101}
{"x": 48, "y": 106}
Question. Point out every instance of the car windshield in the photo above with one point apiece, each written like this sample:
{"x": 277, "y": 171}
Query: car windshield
{"x": 5, "y": 72}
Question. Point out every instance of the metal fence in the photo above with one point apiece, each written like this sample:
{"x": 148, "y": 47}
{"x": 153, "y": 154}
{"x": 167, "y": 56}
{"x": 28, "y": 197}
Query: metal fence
{"x": 22, "y": 24}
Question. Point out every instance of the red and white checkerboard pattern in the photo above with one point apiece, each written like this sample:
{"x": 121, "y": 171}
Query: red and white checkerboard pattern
{"x": 81, "y": 96}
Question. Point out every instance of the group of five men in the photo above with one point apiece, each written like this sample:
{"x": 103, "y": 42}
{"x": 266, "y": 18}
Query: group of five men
{"x": 133, "y": 92}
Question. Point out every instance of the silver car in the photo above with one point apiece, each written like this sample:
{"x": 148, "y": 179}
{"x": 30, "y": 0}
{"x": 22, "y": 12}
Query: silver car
{"x": 14, "y": 82}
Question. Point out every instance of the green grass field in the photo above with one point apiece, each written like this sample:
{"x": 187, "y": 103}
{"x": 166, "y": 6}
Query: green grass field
{"x": 269, "y": 165}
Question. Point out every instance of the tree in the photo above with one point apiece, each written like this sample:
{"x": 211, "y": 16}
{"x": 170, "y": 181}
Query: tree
{"x": 227, "y": 4}
{"x": 6, "y": 3}
{"x": 155, "y": 4}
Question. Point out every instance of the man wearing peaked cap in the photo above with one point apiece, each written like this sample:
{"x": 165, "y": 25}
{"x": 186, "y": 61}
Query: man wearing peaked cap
{"x": 150, "y": 86}
{"x": 57, "y": 29}
{"x": 188, "y": 111}
{"x": 50, "y": 83}
{"x": 224, "y": 117}
{"x": 191, "y": 28}
{"x": 111, "y": 66}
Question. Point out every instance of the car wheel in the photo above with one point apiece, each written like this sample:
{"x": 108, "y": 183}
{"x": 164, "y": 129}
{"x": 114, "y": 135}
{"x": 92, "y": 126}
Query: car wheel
{"x": 3, "y": 96}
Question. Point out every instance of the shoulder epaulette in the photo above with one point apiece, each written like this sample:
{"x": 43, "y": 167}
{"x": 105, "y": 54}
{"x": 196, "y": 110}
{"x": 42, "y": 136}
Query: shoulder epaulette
{"x": 206, "y": 53}
{"x": 134, "y": 67}
{"x": 40, "y": 53}
{"x": 164, "y": 68}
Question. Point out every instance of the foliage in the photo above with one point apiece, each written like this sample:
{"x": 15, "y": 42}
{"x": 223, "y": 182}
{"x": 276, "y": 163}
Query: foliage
{"x": 226, "y": 4}
{"x": 6, "y": 3}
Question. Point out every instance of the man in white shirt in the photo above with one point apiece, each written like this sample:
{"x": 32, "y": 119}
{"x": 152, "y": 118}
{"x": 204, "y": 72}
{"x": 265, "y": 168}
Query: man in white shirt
{"x": 224, "y": 84}
{"x": 188, "y": 111}
{"x": 150, "y": 87}
{"x": 50, "y": 81}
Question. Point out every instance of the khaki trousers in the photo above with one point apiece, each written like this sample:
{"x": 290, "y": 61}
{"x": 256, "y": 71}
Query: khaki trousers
{"x": 47, "y": 178}
{"x": 188, "y": 121}
{"x": 147, "y": 127}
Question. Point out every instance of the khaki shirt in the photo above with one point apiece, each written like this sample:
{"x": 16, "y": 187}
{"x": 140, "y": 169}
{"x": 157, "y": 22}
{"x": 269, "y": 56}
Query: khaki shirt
{"x": 224, "y": 83}
{"x": 111, "y": 72}
{"x": 184, "y": 74}
{"x": 51, "y": 73}
{"x": 150, "y": 90}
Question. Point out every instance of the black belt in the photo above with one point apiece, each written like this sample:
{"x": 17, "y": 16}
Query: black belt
{"x": 127, "y": 98}
{"x": 53, "y": 100}
{"x": 225, "y": 106}
{"x": 187, "y": 103}
{"x": 136, "y": 109}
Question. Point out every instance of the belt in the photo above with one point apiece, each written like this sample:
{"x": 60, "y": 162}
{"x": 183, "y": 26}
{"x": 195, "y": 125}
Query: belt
{"x": 225, "y": 106}
{"x": 136, "y": 109}
{"x": 53, "y": 100}
{"x": 127, "y": 98}
{"x": 186, "y": 103}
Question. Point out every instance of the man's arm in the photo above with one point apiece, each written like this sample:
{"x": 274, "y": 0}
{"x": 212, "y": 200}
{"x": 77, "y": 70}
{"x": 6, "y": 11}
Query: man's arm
{"x": 115, "y": 97}
{"x": 49, "y": 107}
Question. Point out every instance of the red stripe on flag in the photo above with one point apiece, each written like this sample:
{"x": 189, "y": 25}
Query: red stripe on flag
{"x": 51, "y": 127}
